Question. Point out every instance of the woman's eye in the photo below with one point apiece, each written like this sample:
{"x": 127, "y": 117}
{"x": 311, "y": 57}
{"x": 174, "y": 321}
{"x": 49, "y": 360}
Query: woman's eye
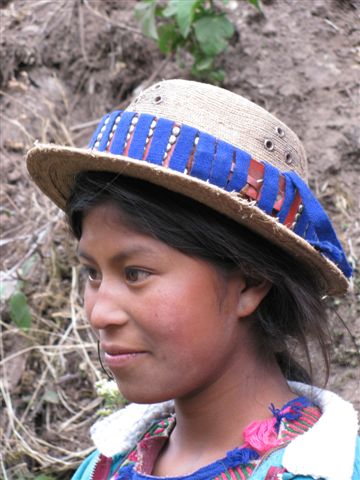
{"x": 92, "y": 274}
{"x": 134, "y": 275}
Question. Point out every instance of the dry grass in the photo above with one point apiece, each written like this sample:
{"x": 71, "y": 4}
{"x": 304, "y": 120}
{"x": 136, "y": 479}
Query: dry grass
{"x": 48, "y": 372}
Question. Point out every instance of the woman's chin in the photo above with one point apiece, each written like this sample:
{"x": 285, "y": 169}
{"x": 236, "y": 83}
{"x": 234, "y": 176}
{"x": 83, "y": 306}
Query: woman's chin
{"x": 142, "y": 396}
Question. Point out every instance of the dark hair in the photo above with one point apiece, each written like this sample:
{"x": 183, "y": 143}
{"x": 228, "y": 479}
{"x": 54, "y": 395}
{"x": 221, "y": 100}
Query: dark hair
{"x": 290, "y": 314}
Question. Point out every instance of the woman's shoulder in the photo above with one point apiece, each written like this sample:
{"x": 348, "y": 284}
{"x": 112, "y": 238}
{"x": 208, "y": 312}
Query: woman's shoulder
{"x": 116, "y": 435}
{"x": 120, "y": 431}
{"x": 329, "y": 450}
{"x": 273, "y": 469}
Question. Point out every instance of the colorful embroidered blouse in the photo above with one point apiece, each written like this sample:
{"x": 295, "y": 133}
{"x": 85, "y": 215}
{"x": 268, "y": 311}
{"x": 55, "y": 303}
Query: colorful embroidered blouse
{"x": 260, "y": 437}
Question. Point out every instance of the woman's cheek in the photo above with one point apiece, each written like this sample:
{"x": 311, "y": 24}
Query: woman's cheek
{"x": 88, "y": 302}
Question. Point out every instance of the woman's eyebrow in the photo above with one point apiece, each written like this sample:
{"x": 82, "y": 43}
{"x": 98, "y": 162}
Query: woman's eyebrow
{"x": 128, "y": 252}
{"x": 82, "y": 254}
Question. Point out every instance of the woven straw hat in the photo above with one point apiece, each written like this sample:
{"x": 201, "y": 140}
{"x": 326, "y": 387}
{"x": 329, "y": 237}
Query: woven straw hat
{"x": 217, "y": 148}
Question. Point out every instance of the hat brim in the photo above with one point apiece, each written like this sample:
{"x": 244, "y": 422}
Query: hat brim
{"x": 53, "y": 168}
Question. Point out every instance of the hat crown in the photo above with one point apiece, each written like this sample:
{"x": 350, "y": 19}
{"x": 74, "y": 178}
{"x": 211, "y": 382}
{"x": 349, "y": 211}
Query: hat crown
{"x": 227, "y": 116}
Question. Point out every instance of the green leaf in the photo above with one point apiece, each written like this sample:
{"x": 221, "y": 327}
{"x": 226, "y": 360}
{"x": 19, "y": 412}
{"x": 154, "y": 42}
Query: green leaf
{"x": 185, "y": 15}
{"x": 171, "y": 9}
{"x": 145, "y": 13}
{"x": 168, "y": 39}
{"x": 212, "y": 32}
{"x": 217, "y": 76}
{"x": 19, "y": 311}
{"x": 256, "y": 4}
{"x": 203, "y": 64}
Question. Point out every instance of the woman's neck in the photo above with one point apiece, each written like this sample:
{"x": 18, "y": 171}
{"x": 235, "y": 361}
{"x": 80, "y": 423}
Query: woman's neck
{"x": 230, "y": 406}
{"x": 211, "y": 422}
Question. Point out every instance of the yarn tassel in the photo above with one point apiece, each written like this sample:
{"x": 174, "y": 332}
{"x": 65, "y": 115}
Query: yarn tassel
{"x": 240, "y": 456}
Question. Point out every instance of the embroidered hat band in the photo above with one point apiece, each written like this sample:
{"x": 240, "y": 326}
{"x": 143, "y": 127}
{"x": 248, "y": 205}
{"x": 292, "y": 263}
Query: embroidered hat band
{"x": 225, "y": 168}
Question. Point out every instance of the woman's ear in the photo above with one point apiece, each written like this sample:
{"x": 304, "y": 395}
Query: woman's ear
{"x": 251, "y": 296}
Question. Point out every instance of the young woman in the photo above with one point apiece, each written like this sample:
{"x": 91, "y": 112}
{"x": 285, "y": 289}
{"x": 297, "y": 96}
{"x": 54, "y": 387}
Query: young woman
{"x": 207, "y": 257}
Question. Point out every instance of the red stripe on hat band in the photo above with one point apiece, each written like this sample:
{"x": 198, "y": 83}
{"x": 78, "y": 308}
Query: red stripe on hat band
{"x": 169, "y": 153}
{"x": 147, "y": 148}
{"x": 290, "y": 219}
{"x": 252, "y": 190}
{"x": 128, "y": 143}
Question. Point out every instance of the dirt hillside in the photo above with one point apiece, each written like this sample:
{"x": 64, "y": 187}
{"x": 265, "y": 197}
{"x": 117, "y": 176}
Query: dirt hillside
{"x": 65, "y": 63}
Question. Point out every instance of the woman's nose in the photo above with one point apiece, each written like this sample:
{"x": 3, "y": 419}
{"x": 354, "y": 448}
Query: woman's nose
{"x": 106, "y": 307}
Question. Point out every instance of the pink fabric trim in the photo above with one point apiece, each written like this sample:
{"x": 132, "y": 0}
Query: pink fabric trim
{"x": 261, "y": 435}
{"x": 148, "y": 452}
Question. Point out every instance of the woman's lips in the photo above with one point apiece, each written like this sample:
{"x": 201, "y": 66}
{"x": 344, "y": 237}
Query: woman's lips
{"x": 121, "y": 359}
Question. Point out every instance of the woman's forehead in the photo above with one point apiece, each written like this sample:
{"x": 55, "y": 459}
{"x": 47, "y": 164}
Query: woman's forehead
{"x": 109, "y": 213}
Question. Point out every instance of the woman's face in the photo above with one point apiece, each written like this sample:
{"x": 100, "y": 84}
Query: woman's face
{"x": 167, "y": 322}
